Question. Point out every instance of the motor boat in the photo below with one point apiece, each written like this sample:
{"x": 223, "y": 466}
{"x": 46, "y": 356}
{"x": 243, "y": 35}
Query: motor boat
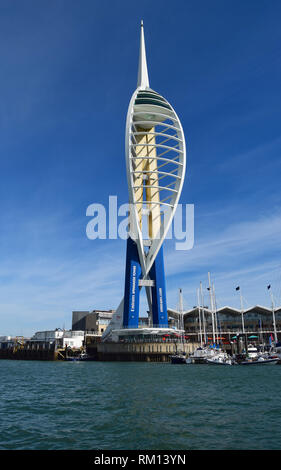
{"x": 178, "y": 359}
{"x": 201, "y": 354}
{"x": 221, "y": 358}
{"x": 255, "y": 357}
{"x": 82, "y": 357}
{"x": 260, "y": 361}
{"x": 220, "y": 361}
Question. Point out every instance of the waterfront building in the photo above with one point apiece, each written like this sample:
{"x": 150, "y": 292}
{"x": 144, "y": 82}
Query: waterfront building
{"x": 94, "y": 322}
{"x": 73, "y": 339}
{"x": 57, "y": 339}
{"x": 258, "y": 323}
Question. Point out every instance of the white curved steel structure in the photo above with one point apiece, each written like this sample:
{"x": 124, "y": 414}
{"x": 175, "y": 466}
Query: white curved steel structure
{"x": 155, "y": 162}
{"x": 155, "y": 158}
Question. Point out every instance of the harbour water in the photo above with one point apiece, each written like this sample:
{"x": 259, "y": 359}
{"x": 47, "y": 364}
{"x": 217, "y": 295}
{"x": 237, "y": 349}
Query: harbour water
{"x": 122, "y": 406}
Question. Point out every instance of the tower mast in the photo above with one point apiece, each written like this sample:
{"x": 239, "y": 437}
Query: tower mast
{"x": 143, "y": 80}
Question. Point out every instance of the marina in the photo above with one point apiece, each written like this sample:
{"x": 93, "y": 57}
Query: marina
{"x": 193, "y": 336}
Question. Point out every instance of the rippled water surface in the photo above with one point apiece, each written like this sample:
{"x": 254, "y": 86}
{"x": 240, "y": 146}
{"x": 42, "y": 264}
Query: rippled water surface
{"x": 106, "y": 405}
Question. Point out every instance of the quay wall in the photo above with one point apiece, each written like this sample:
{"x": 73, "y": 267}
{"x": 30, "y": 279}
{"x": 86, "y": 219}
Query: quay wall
{"x": 140, "y": 351}
{"x": 144, "y": 352}
{"x": 29, "y": 354}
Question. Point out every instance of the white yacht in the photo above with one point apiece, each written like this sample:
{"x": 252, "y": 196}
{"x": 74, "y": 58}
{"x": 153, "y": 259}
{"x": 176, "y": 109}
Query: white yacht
{"x": 221, "y": 359}
{"x": 201, "y": 354}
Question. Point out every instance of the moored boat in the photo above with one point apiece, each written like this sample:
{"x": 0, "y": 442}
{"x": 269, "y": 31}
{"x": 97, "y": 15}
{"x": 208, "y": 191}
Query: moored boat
{"x": 201, "y": 354}
{"x": 276, "y": 351}
{"x": 260, "y": 361}
{"x": 178, "y": 359}
{"x": 81, "y": 357}
{"x": 220, "y": 361}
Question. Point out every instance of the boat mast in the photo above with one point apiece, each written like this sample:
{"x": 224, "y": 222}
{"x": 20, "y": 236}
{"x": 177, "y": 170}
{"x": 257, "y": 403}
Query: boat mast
{"x": 212, "y": 307}
{"x": 199, "y": 315}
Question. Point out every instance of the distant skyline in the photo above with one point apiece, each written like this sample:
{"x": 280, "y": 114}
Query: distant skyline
{"x": 68, "y": 70}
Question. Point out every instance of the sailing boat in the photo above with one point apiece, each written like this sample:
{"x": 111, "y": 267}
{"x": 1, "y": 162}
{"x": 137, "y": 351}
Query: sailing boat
{"x": 211, "y": 354}
{"x": 274, "y": 354}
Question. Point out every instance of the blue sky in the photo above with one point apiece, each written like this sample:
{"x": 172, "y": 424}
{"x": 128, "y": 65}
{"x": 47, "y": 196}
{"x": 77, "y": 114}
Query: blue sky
{"x": 68, "y": 70}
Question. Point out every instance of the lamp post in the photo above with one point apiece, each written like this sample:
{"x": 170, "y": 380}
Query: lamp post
{"x": 203, "y": 312}
{"x": 215, "y": 312}
{"x": 242, "y": 318}
{"x": 212, "y": 307}
{"x": 199, "y": 315}
{"x": 242, "y": 309}
{"x": 273, "y": 313}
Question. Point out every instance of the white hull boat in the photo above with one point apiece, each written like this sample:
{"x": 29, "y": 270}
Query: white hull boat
{"x": 220, "y": 358}
{"x": 218, "y": 361}
{"x": 207, "y": 355}
{"x": 260, "y": 362}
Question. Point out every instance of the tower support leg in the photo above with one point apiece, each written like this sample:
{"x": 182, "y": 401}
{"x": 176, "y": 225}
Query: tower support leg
{"x": 132, "y": 290}
{"x": 159, "y": 302}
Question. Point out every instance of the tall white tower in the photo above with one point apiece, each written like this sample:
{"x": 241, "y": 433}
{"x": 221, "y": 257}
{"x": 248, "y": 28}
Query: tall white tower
{"x": 155, "y": 162}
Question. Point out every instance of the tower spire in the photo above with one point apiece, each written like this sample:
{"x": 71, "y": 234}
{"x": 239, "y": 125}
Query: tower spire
{"x": 143, "y": 80}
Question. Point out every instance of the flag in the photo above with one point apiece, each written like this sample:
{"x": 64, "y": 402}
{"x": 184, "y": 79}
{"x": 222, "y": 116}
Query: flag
{"x": 237, "y": 288}
{"x": 269, "y": 286}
